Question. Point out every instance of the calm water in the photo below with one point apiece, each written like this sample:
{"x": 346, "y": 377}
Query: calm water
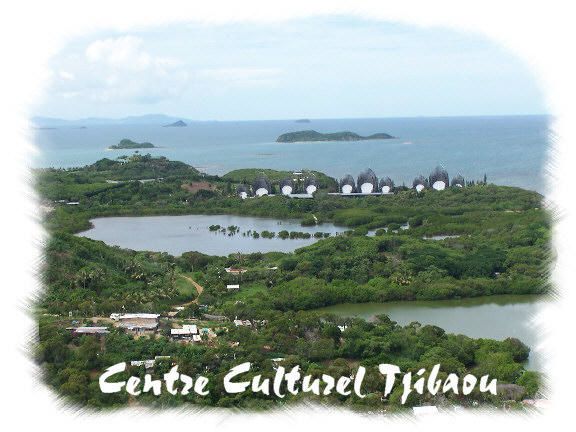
{"x": 178, "y": 234}
{"x": 496, "y": 317}
{"x": 510, "y": 150}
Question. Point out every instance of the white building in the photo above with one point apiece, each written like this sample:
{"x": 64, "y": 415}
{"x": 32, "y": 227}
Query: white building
{"x": 424, "y": 410}
{"x": 188, "y": 331}
{"x": 90, "y": 330}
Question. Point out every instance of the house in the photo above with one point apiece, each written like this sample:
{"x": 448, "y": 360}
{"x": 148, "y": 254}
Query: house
{"x": 245, "y": 323}
{"x": 98, "y": 331}
{"x": 187, "y": 332}
{"x": 233, "y": 287}
{"x": 214, "y": 317}
{"x": 134, "y": 316}
{"x": 235, "y": 271}
{"x": 148, "y": 364}
{"x": 137, "y": 322}
{"x": 424, "y": 410}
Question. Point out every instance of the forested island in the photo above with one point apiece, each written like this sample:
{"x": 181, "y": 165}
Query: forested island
{"x": 312, "y": 135}
{"x": 500, "y": 245}
{"x": 178, "y": 123}
{"x": 129, "y": 144}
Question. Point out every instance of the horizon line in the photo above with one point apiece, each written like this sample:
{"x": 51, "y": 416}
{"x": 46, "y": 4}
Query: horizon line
{"x": 284, "y": 119}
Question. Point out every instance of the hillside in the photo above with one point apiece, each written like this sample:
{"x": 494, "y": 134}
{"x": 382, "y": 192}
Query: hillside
{"x": 247, "y": 175}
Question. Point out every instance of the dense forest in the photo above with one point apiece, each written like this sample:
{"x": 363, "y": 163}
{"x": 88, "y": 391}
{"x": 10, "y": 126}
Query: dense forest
{"x": 499, "y": 244}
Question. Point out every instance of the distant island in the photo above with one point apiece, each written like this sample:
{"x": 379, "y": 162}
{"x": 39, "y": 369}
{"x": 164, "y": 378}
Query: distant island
{"x": 312, "y": 135}
{"x": 302, "y": 121}
{"x": 178, "y": 123}
{"x": 129, "y": 144}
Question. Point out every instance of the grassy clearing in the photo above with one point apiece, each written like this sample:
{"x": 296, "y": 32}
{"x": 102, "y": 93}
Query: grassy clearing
{"x": 184, "y": 286}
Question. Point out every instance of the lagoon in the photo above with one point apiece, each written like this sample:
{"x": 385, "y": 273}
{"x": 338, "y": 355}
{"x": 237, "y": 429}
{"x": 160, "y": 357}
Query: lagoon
{"x": 495, "y": 317}
{"x": 178, "y": 234}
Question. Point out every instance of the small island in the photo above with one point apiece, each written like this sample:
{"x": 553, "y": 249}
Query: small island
{"x": 312, "y": 135}
{"x": 178, "y": 123}
{"x": 129, "y": 144}
{"x": 302, "y": 121}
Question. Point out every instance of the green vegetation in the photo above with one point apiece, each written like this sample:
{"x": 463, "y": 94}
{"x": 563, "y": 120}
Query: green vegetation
{"x": 72, "y": 365}
{"x": 502, "y": 248}
{"x": 248, "y": 175}
{"x": 129, "y": 144}
{"x": 312, "y": 135}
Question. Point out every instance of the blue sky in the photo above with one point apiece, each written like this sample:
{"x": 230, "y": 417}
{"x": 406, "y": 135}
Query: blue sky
{"x": 314, "y": 68}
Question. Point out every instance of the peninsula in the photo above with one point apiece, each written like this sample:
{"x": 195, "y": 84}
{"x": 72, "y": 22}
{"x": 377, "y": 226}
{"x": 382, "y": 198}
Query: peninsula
{"x": 129, "y": 144}
{"x": 312, "y": 135}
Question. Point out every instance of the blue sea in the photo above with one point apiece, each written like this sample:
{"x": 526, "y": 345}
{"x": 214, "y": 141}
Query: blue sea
{"x": 510, "y": 150}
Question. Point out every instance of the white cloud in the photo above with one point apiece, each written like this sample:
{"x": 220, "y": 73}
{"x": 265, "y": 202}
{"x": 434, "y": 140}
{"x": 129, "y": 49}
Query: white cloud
{"x": 239, "y": 77}
{"x": 125, "y": 52}
{"x": 120, "y": 70}
{"x": 65, "y": 75}
{"x": 240, "y": 74}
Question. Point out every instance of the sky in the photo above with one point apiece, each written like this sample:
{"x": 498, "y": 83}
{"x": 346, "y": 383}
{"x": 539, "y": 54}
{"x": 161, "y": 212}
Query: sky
{"x": 335, "y": 67}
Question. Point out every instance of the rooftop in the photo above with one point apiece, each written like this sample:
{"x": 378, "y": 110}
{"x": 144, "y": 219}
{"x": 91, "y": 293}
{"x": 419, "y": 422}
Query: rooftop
{"x": 91, "y": 330}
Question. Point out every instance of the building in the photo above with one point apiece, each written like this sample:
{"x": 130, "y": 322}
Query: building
{"x": 439, "y": 179}
{"x": 245, "y": 323}
{"x": 458, "y": 181}
{"x": 134, "y": 316}
{"x": 235, "y": 271}
{"x": 148, "y": 364}
{"x": 347, "y": 184}
{"x": 420, "y": 183}
{"x": 242, "y": 191}
{"x": 286, "y": 186}
{"x": 98, "y": 331}
{"x": 301, "y": 196}
{"x": 262, "y": 186}
{"x": 424, "y": 410}
{"x": 386, "y": 185}
{"x": 187, "y": 332}
{"x": 310, "y": 185}
{"x": 232, "y": 287}
{"x": 367, "y": 182}
{"x": 214, "y": 317}
{"x": 137, "y": 322}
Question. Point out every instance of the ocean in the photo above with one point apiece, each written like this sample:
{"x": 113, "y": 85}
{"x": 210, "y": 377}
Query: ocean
{"x": 510, "y": 150}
